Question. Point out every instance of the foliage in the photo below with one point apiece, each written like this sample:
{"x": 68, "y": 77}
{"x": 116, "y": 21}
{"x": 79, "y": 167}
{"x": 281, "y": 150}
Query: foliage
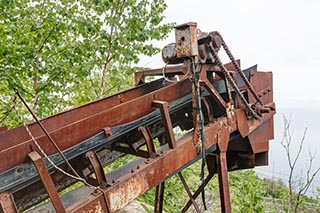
{"x": 318, "y": 200}
{"x": 175, "y": 196}
{"x": 60, "y": 54}
{"x": 247, "y": 192}
{"x": 275, "y": 188}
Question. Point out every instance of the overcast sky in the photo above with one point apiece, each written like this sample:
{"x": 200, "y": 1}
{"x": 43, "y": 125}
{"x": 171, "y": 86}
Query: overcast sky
{"x": 279, "y": 36}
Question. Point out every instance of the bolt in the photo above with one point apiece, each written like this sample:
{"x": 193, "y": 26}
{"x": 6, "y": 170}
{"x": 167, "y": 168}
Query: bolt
{"x": 19, "y": 170}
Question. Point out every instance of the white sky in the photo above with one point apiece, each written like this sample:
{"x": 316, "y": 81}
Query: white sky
{"x": 279, "y": 36}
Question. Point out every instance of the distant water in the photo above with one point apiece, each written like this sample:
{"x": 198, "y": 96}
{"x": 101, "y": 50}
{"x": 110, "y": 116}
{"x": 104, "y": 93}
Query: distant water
{"x": 278, "y": 163}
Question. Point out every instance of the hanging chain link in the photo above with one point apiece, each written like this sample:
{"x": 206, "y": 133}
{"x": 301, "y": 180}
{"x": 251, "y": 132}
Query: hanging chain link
{"x": 233, "y": 83}
{"x": 235, "y": 64}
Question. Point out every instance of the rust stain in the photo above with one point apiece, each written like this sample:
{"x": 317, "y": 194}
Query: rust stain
{"x": 127, "y": 192}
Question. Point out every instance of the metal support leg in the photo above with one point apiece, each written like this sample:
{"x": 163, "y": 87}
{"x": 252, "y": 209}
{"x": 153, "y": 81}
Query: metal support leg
{"x": 223, "y": 183}
{"x": 189, "y": 192}
{"x": 7, "y": 204}
{"x": 166, "y": 120}
{"x": 47, "y": 181}
{"x": 197, "y": 193}
{"x": 158, "y": 204}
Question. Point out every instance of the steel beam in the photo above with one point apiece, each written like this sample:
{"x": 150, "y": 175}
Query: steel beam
{"x": 223, "y": 183}
{"x": 159, "y": 196}
{"x": 18, "y": 140}
{"x": 166, "y": 121}
{"x": 47, "y": 181}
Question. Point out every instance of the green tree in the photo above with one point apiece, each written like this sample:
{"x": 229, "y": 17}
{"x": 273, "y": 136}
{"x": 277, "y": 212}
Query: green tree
{"x": 247, "y": 192}
{"x": 60, "y": 54}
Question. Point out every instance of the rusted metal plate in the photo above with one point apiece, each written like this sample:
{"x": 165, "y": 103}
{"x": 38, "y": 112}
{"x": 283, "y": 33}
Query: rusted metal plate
{"x": 12, "y": 180}
{"x": 58, "y": 121}
{"x": 3, "y": 128}
{"x": 261, "y": 159}
{"x": 262, "y": 83}
{"x": 186, "y": 40}
{"x": 259, "y": 139}
{"x": 78, "y": 131}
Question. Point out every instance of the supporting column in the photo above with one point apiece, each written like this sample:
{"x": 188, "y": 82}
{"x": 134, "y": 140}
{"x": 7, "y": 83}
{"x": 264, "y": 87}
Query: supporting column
{"x": 224, "y": 183}
{"x": 47, "y": 181}
{"x": 223, "y": 140}
{"x": 158, "y": 204}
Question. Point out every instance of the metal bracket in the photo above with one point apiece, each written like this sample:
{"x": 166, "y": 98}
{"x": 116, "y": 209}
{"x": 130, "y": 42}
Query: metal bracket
{"x": 7, "y": 204}
{"x": 215, "y": 94}
{"x": 95, "y": 162}
{"x": 149, "y": 142}
{"x": 166, "y": 121}
{"x": 47, "y": 181}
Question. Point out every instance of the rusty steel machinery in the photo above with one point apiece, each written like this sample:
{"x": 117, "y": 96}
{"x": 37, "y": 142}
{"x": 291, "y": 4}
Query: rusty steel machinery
{"x": 224, "y": 113}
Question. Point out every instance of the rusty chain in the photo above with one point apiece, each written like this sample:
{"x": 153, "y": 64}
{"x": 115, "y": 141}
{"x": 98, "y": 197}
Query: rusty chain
{"x": 233, "y": 83}
{"x": 235, "y": 64}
